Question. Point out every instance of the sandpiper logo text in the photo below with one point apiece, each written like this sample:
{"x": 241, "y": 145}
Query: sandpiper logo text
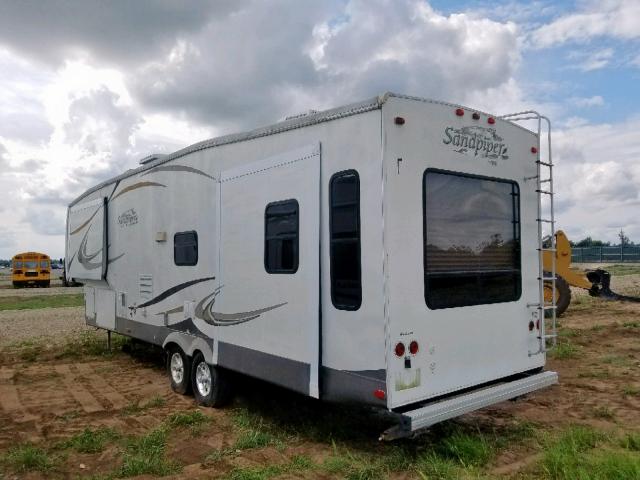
{"x": 482, "y": 142}
{"x": 128, "y": 218}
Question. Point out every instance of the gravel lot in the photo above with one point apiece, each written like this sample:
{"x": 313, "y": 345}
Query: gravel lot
{"x": 52, "y": 324}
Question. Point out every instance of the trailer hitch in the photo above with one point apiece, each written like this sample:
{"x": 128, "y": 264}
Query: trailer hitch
{"x": 600, "y": 280}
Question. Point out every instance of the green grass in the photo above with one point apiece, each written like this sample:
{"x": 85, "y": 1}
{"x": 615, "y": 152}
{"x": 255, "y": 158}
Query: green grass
{"x": 147, "y": 455}
{"x": 91, "y": 441}
{"x": 299, "y": 463}
{"x": 604, "y": 412}
{"x": 565, "y": 350}
{"x": 137, "y": 407}
{"x": 583, "y": 453}
{"x": 630, "y": 391}
{"x": 41, "y": 301}
{"x": 624, "y": 269}
{"x": 91, "y": 343}
{"x": 634, "y": 324}
{"x": 187, "y": 419}
{"x": 27, "y": 458}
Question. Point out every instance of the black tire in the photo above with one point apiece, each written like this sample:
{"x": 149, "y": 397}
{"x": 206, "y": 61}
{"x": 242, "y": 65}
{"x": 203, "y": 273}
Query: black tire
{"x": 563, "y": 295}
{"x": 219, "y": 391}
{"x": 46, "y": 283}
{"x": 176, "y": 360}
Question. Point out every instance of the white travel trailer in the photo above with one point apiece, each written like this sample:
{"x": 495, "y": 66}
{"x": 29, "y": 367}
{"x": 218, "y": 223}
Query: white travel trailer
{"x": 386, "y": 252}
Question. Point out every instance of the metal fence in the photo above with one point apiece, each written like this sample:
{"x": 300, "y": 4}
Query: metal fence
{"x": 629, "y": 253}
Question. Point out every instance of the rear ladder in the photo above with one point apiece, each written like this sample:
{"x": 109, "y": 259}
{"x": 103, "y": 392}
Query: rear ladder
{"x": 544, "y": 186}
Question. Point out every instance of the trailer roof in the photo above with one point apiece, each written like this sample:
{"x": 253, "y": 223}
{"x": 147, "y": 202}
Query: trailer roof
{"x": 374, "y": 103}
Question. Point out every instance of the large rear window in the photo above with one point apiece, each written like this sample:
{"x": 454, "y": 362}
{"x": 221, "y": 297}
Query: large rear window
{"x": 471, "y": 240}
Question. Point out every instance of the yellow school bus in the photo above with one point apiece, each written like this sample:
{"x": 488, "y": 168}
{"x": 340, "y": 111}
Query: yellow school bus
{"x": 31, "y": 268}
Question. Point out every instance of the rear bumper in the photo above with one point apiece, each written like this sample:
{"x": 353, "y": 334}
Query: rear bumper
{"x": 439, "y": 410}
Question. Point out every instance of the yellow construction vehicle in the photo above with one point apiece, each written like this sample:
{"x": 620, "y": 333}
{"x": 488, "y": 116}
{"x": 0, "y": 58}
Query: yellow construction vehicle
{"x": 595, "y": 281}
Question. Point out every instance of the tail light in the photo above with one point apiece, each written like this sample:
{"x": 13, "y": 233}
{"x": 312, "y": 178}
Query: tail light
{"x": 414, "y": 347}
{"x": 400, "y": 349}
{"x": 380, "y": 394}
{"x": 459, "y": 112}
{"x": 491, "y": 120}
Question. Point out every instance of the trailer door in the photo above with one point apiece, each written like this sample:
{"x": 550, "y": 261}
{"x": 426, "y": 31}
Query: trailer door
{"x": 266, "y": 312}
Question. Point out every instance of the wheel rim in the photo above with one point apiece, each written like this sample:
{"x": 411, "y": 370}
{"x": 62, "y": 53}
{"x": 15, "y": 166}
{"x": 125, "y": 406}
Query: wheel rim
{"x": 177, "y": 368}
{"x": 203, "y": 379}
{"x": 548, "y": 293}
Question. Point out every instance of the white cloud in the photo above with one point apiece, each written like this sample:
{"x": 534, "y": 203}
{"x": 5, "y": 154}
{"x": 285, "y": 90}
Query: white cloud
{"x": 612, "y": 18}
{"x": 594, "y": 60}
{"x": 595, "y": 101}
{"x": 598, "y": 179}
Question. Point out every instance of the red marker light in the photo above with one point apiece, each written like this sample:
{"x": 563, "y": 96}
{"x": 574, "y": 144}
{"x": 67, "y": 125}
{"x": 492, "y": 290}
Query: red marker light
{"x": 459, "y": 112}
{"x": 398, "y": 121}
{"x": 399, "y": 349}
{"x": 531, "y": 326}
{"x": 413, "y": 347}
{"x": 534, "y": 150}
{"x": 379, "y": 394}
{"x": 491, "y": 120}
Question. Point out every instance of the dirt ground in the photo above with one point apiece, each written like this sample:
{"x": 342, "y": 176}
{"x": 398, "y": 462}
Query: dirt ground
{"x": 50, "y": 397}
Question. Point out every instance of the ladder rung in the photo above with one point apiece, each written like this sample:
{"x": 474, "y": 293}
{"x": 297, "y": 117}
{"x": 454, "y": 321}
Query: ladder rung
{"x": 546, "y": 192}
{"x": 545, "y": 163}
{"x": 547, "y": 250}
{"x": 552, "y": 335}
{"x": 546, "y": 180}
{"x": 544, "y": 220}
{"x": 548, "y": 278}
{"x": 549, "y": 307}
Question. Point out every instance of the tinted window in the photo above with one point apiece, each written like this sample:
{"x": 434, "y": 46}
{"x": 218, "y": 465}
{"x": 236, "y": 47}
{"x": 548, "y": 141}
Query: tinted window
{"x": 44, "y": 264}
{"x": 281, "y": 237}
{"x": 185, "y": 248}
{"x": 31, "y": 264}
{"x": 17, "y": 264}
{"x": 344, "y": 218}
{"x": 471, "y": 240}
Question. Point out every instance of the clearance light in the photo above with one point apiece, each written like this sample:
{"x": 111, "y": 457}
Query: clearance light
{"x": 475, "y": 116}
{"x": 538, "y": 324}
{"x": 380, "y": 394}
{"x": 459, "y": 112}
{"x": 491, "y": 120}
{"x": 413, "y": 347}
{"x": 399, "y": 349}
{"x": 398, "y": 121}
{"x": 534, "y": 150}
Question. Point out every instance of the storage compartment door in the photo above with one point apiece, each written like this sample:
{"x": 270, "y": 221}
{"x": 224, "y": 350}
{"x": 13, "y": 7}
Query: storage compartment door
{"x": 86, "y": 240}
{"x": 105, "y": 308}
{"x": 266, "y": 310}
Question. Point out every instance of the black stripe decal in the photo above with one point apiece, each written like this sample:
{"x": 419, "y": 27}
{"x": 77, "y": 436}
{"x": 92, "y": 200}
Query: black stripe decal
{"x": 172, "y": 290}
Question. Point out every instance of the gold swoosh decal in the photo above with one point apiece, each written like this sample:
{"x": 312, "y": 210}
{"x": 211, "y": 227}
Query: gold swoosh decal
{"x": 135, "y": 186}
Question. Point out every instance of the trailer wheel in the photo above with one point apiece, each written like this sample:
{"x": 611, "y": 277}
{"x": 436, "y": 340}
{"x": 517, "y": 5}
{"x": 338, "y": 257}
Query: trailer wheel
{"x": 563, "y": 295}
{"x": 211, "y": 385}
{"x": 179, "y": 367}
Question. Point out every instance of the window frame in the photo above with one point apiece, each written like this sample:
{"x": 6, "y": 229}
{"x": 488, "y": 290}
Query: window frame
{"x": 297, "y": 238}
{"x": 337, "y": 305}
{"x": 195, "y": 233}
{"x": 517, "y": 226}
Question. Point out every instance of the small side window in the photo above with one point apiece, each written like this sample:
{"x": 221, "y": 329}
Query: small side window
{"x": 185, "y": 248}
{"x": 281, "y": 237}
{"x": 344, "y": 231}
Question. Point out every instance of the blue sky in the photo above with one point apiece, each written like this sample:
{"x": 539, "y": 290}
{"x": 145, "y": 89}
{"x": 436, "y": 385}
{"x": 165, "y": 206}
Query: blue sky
{"x": 86, "y": 91}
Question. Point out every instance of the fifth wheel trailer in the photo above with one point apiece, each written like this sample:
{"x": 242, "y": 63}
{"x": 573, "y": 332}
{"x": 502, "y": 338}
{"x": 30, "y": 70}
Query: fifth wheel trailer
{"x": 387, "y": 253}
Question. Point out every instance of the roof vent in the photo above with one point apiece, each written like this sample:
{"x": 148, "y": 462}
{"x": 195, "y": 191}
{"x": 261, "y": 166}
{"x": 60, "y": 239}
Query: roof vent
{"x": 300, "y": 115}
{"x": 152, "y": 157}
